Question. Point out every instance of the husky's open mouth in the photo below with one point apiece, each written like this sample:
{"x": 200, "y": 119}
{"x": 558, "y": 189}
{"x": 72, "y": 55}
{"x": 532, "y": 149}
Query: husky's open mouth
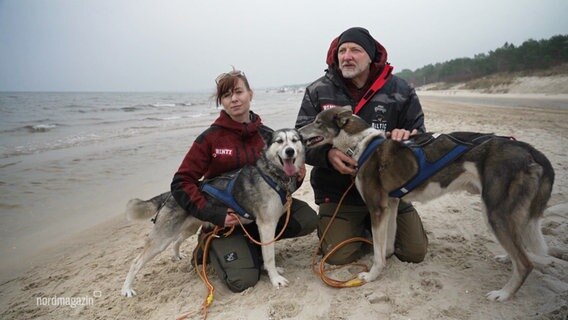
{"x": 314, "y": 140}
{"x": 288, "y": 165}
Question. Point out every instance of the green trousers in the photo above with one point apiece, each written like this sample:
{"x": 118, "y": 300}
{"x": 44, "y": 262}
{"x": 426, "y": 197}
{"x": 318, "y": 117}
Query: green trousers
{"x": 411, "y": 242}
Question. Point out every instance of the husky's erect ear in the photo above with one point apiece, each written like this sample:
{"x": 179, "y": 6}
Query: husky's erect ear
{"x": 266, "y": 134}
{"x": 343, "y": 116}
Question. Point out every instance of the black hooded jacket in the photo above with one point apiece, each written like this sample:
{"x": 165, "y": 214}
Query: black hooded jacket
{"x": 394, "y": 106}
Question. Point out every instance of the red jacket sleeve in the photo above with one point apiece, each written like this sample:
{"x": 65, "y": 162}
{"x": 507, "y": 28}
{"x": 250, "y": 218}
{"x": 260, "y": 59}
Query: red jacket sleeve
{"x": 185, "y": 184}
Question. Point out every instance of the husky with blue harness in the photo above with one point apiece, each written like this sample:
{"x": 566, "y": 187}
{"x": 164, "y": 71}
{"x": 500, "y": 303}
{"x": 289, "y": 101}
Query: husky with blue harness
{"x": 514, "y": 179}
{"x": 256, "y": 193}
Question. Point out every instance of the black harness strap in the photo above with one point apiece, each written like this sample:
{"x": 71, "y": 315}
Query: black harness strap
{"x": 160, "y": 208}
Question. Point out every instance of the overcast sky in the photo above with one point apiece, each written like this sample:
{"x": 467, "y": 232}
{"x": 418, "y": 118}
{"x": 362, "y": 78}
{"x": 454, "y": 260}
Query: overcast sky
{"x": 143, "y": 45}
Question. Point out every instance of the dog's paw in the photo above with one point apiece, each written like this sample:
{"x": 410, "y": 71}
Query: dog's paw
{"x": 498, "y": 295}
{"x": 128, "y": 292}
{"x": 373, "y": 274}
{"x": 502, "y": 258}
{"x": 367, "y": 276}
{"x": 279, "y": 281}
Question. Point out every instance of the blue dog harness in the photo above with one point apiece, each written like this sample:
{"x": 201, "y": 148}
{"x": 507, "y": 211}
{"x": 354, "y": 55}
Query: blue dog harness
{"x": 226, "y": 195}
{"x": 426, "y": 169}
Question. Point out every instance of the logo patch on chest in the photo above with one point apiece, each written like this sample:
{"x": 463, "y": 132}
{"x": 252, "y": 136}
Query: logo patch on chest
{"x": 328, "y": 106}
{"x": 223, "y": 152}
{"x": 381, "y": 109}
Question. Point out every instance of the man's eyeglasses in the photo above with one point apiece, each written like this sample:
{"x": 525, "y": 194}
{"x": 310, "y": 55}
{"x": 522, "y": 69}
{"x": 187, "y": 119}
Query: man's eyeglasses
{"x": 234, "y": 73}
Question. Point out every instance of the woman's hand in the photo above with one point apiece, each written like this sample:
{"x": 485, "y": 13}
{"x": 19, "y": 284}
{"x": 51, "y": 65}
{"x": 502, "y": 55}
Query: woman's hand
{"x": 231, "y": 218}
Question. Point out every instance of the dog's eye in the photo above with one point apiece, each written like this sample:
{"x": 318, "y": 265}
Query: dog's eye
{"x": 279, "y": 141}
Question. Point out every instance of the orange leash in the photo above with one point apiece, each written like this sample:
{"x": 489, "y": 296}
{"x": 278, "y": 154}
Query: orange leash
{"x": 202, "y": 273}
{"x": 288, "y": 214}
{"x": 354, "y": 281}
{"x": 208, "y": 239}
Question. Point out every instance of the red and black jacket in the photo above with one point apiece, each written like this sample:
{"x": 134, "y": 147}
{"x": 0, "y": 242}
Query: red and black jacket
{"x": 394, "y": 106}
{"x": 225, "y": 146}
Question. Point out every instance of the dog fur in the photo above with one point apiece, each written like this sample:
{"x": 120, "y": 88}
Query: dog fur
{"x": 252, "y": 192}
{"x": 514, "y": 179}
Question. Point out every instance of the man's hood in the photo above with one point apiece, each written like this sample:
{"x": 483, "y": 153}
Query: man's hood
{"x": 331, "y": 60}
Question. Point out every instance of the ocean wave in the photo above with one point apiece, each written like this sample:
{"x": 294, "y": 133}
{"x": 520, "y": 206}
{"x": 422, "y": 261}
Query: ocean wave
{"x": 160, "y": 105}
{"x": 35, "y": 148}
{"x": 40, "y": 127}
{"x": 155, "y": 105}
{"x": 145, "y": 127}
{"x": 171, "y": 105}
{"x": 164, "y": 118}
{"x": 74, "y": 106}
{"x": 33, "y": 123}
{"x": 134, "y": 108}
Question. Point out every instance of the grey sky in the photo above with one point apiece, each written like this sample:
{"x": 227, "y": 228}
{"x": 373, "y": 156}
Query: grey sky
{"x": 142, "y": 45}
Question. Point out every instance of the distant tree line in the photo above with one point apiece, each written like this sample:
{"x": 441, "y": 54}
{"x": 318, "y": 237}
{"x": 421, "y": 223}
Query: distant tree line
{"x": 529, "y": 56}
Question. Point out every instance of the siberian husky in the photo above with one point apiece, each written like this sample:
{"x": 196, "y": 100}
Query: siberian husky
{"x": 514, "y": 179}
{"x": 258, "y": 190}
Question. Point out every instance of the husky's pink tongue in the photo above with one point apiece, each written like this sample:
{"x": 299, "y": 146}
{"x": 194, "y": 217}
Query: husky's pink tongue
{"x": 289, "y": 167}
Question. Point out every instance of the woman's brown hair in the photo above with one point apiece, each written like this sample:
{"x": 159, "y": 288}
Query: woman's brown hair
{"x": 227, "y": 82}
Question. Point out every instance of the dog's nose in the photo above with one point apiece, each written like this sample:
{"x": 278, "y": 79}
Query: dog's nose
{"x": 290, "y": 152}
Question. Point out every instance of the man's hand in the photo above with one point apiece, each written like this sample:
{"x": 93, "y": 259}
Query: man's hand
{"x": 341, "y": 162}
{"x": 401, "y": 134}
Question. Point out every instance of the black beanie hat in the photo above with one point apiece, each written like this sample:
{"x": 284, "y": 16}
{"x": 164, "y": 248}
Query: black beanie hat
{"x": 361, "y": 37}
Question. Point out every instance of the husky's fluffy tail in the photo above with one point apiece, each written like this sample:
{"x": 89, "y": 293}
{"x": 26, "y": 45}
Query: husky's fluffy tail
{"x": 137, "y": 209}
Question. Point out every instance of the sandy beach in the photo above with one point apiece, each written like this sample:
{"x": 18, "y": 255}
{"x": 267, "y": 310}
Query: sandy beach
{"x": 89, "y": 267}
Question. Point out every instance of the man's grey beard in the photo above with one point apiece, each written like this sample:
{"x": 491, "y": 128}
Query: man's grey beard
{"x": 348, "y": 74}
{"x": 352, "y": 73}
